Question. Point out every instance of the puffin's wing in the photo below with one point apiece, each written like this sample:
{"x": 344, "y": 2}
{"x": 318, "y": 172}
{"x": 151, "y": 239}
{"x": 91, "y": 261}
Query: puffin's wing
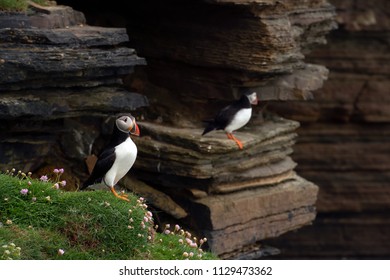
{"x": 225, "y": 116}
{"x": 221, "y": 120}
{"x": 103, "y": 164}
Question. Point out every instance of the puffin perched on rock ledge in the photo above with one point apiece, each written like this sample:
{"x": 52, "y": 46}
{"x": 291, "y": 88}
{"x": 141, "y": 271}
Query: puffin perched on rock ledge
{"x": 233, "y": 117}
{"x": 117, "y": 157}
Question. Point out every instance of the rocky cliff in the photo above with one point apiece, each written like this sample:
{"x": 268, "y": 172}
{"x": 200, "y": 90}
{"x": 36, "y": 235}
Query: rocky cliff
{"x": 60, "y": 79}
{"x": 344, "y": 140}
{"x": 201, "y": 55}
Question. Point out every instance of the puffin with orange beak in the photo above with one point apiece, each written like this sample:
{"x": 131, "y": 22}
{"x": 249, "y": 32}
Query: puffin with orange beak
{"x": 117, "y": 157}
{"x": 233, "y": 117}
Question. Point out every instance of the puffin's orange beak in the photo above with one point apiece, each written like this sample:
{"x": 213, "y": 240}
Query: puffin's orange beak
{"x": 135, "y": 130}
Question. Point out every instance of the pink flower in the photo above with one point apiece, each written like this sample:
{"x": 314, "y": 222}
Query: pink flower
{"x": 44, "y": 178}
{"x": 56, "y": 186}
{"x": 61, "y": 252}
{"x": 24, "y": 191}
{"x": 63, "y": 183}
{"x": 61, "y": 170}
{"x": 56, "y": 171}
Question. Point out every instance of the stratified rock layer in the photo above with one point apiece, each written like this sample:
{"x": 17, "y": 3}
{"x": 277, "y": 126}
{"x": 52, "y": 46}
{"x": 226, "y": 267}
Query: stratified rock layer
{"x": 201, "y": 55}
{"x": 345, "y": 140}
{"x": 235, "y": 197}
{"x": 210, "y": 50}
{"x": 60, "y": 79}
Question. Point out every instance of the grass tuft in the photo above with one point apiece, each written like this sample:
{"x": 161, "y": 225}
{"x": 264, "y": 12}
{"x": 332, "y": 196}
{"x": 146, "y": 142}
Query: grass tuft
{"x": 18, "y": 5}
{"x": 13, "y": 5}
{"x": 44, "y": 222}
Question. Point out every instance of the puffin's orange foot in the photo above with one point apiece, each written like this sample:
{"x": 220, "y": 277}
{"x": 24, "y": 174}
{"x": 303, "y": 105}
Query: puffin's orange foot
{"x": 238, "y": 142}
{"x": 120, "y": 196}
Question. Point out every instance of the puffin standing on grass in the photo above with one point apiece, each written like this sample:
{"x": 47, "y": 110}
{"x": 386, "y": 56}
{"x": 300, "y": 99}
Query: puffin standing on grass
{"x": 233, "y": 117}
{"x": 117, "y": 157}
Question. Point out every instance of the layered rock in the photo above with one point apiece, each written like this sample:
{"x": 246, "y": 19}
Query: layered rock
{"x": 212, "y": 49}
{"x": 225, "y": 193}
{"x": 200, "y": 55}
{"x": 344, "y": 139}
{"x": 60, "y": 79}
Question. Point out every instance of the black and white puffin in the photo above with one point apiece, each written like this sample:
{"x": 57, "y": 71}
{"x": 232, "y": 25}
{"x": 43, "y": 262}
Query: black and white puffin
{"x": 233, "y": 117}
{"x": 117, "y": 157}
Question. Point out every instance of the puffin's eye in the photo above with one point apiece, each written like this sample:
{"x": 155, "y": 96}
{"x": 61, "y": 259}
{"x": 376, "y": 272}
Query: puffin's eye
{"x": 125, "y": 120}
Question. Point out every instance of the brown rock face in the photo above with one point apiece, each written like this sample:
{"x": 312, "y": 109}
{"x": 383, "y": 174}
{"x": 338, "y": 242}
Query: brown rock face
{"x": 212, "y": 49}
{"x": 60, "y": 79}
{"x": 201, "y": 55}
{"x": 344, "y": 143}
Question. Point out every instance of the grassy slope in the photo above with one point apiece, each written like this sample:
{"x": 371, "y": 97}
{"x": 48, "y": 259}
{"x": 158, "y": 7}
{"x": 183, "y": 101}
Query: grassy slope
{"x": 87, "y": 225}
{"x": 13, "y": 5}
{"x": 17, "y": 5}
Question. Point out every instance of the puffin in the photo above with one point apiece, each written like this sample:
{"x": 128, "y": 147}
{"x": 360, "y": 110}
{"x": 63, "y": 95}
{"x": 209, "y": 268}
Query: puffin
{"x": 117, "y": 158}
{"x": 233, "y": 117}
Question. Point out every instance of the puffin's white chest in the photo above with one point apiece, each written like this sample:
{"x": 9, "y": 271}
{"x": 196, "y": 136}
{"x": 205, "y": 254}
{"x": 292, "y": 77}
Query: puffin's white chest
{"x": 125, "y": 155}
{"x": 241, "y": 118}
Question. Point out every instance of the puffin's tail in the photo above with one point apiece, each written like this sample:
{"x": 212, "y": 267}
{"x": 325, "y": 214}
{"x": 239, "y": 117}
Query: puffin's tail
{"x": 210, "y": 127}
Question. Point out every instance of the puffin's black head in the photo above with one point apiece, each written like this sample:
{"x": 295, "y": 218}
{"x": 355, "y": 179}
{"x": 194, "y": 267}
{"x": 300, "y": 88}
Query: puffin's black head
{"x": 127, "y": 124}
{"x": 252, "y": 96}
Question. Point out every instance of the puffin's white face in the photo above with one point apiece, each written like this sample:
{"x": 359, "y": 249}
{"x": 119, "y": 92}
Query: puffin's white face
{"x": 253, "y": 98}
{"x": 127, "y": 124}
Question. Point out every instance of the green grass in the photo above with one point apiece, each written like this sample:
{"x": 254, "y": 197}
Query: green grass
{"x": 13, "y": 5}
{"x": 18, "y": 5}
{"x": 86, "y": 225}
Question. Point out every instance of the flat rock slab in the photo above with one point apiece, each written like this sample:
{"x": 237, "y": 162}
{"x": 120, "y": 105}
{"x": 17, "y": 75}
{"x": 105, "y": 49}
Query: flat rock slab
{"x": 213, "y": 163}
{"x": 238, "y": 219}
{"x": 216, "y": 142}
{"x": 78, "y": 56}
{"x": 60, "y": 103}
{"x": 57, "y": 16}
{"x": 235, "y": 208}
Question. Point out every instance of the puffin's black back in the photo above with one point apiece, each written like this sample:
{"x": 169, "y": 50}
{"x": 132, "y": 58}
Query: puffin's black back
{"x": 106, "y": 158}
{"x": 225, "y": 116}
